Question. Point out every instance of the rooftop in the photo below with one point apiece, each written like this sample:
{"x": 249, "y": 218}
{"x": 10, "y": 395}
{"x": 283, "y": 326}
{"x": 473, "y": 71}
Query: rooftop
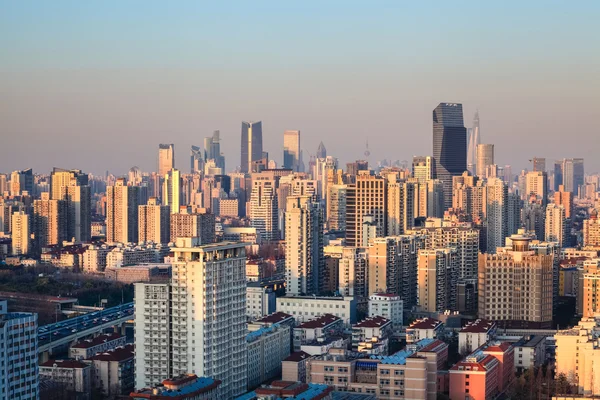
{"x": 298, "y": 356}
{"x": 373, "y": 322}
{"x": 64, "y": 364}
{"x": 426, "y": 323}
{"x": 275, "y": 318}
{"x": 254, "y": 335}
{"x": 320, "y": 322}
{"x": 477, "y": 361}
{"x": 399, "y": 358}
{"x": 289, "y": 391}
{"x": 478, "y": 326}
{"x": 86, "y": 344}
{"x": 118, "y": 354}
{"x": 494, "y": 347}
{"x": 166, "y": 390}
{"x": 531, "y": 341}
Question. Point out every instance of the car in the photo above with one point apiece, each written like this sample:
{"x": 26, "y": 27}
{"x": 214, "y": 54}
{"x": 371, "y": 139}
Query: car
{"x": 74, "y": 331}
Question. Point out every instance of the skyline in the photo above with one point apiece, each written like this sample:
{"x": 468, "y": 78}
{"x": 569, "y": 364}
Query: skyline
{"x": 79, "y": 77}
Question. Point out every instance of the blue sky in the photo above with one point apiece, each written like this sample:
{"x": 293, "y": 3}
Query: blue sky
{"x": 97, "y": 85}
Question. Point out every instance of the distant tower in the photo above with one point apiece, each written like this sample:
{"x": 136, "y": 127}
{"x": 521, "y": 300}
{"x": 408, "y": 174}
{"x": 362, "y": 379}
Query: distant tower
{"x": 321, "y": 151}
{"x": 291, "y": 150}
{"x": 474, "y": 140}
{"x": 166, "y": 158}
{"x": 252, "y": 147}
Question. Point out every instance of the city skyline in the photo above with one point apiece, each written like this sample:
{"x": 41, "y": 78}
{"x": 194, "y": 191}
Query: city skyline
{"x": 126, "y": 97}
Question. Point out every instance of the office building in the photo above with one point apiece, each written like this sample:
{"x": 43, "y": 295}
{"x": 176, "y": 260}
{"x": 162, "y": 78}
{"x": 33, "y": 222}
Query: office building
{"x": 497, "y": 213}
{"x": 196, "y": 160}
{"x": 400, "y": 206}
{"x": 556, "y": 225}
{"x": 171, "y": 195}
{"x": 539, "y": 164}
{"x": 368, "y": 196}
{"x": 19, "y": 359}
{"x": 536, "y": 187}
{"x": 166, "y": 158}
{"x": 572, "y": 170}
{"x": 212, "y": 151}
{"x": 485, "y": 158}
{"x": 449, "y": 146}
{"x": 186, "y": 326}
{"x": 291, "y": 150}
{"x": 304, "y": 259}
{"x": 154, "y": 222}
{"x": 437, "y": 279}
{"x": 21, "y": 237}
{"x": 252, "y": 145}
{"x": 474, "y": 140}
{"x": 422, "y": 168}
{"x": 389, "y": 306}
{"x": 565, "y": 199}
{"x": 122, "y": 203}
{"x": 528, "y": 300}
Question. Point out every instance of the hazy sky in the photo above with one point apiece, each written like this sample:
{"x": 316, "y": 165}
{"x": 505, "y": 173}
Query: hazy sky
{"x": 98, "y": 85}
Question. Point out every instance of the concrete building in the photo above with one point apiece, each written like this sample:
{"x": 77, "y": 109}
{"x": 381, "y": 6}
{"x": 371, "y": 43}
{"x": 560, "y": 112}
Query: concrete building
{"x": 18, "y": 355}
{"x": 371, "y": 336}
{"x": 400, "y": 206}
{"x": 128, "y": 254}
{"x": 166, "y": 158}
{"x": 20, "y": 235}
{"x": 290, "y": 390}
{"x": 437, "y": 280}
{"x": 252, "y": 145}
{"x": 294, "y": 368}
{"x": 409, "y": 373}
{"x": 102, "y": 343}
{"x": 204, "y": 333}
{"x": 367, "y": 196}
{"x": 264, "y": 214}
{"x": 389, "y": 306}
{"x": 152, "y": 272}
{"x": 556, "y": 225}
{"x": 49, "y": 222}
{"x": 422, "y": 168}
{"x": 153, "y": 222}
{"x": 267, "y": 348}
{"x": 475, "y": 334}
{"x": 528, "y": 300}
{"x": 352, "y": 272}
{"x": 260, "y": 301}
{"x": 291, "y": 150}
{"x": 336, "y": 207}
{"x": 591, "y": 231}
{"x": 536, "y": 187}
{"x": 229, "y": 207}
{"x": 200, "y": 225}
{"x": 304, "y": 259}
{"x": 496, "y": 213}
{"x": 530, "y": 352}
{"x": 426, "y": 328}
{"x": 187, "y": 387}
{"x": 122, "y": 203}
{"x": 72, "y": 187}
{"x": 303, "y": 308}
{"x": 565, "y": 199}
{"x": 485, "y": 158}
{"x": 74, "y": 376}
{"x": 241, "y": 234}
{"x": 317, "y": 330}
{"x": 113, "y": 371}
{"x": 94, "y": 258}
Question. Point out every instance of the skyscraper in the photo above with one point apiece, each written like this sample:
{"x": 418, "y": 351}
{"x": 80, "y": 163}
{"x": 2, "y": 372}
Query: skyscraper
{"x": 474, "y": 140}
{"x": 400, "y": 205}
{"x": 564, "y": 199}
{"x": 368, "y": 196}
{"x": 539, "y": 164}
{"x": 122, "y": 203}
{"x": 291, "y": 150}
{"x": 497, "y": 214}
{"x": 196, "y": 160}
{"x": 154, "y": 222}
{"x": 321, "y": 151}
{"x": 196, "y": 324}
{"x": 572, "y": 174}
{"x": 485, "y": 158}
{"x": 20, "y": 233}
{"x": 536, "y": 187}
{"x": 166, "y": 158}
{"x": 556, "y": 225}
{"x": 252, "y": 145}
{"x": 264, "y": 214}
{"x": 49, "y": 225}
{"x": 437, "y": 279}
{"x": 449, "y": 145}
{"x": 172, "y": 190}
{"x": 212, "y": 150}
{"x": 304, "y": 259}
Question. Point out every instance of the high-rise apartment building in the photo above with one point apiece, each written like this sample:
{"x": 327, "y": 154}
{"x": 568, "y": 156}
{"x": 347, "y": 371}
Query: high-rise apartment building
{"x": 534, "y": 219}
{"x": 21, "y": 181}
{"x": 591, "y": 231}
{"x": 21, "y": 237}
{"x": 565, "y": 199}
{"x": 122, "y": 203}
{"x": 474, "y": 140}
{"x": 72, "y": 186}
{"x": 449, "y": 145}
{"x": 556, "y": 225}
{"x": 365, "y": 197}
{"x": 400, "y": 206}
{"x": 154, "y": 222}
{"x": 539, "y": 164}
{"x": 304, "y": 259}
{"x": 536, "y": 187}
{"x": 196, "y": 324}
{"x": 516, "y": 285}
{"x": 485, "y": 158}
{"x": 172, "y": 195}
{"x": 336, "y": 208}
{"x": 469, "y": 197}
{"x": 252, "y": 145}
{"x": 291, "y": 150}
{"x": 422, "y": 168}
{"x": 18, "y": 355}
{"x": 264, "y": 214}
{"x": 196, "y": 225}
{"x": 437, "y": 279}
{"x": 352, "y": 272}
{"x": 166, "y": 158}
{"x": 496, "y": 213}
{"x": 48, "y": 222}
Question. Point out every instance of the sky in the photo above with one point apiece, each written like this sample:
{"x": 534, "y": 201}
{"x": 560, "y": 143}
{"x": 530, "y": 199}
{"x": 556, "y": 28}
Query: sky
{"x": 98, "y": 85}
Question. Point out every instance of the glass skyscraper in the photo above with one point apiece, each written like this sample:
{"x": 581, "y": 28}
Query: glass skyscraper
{"x": 252, "y": 148}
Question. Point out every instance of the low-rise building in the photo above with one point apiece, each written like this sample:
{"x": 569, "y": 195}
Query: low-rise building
{"x": 293, "y": 368}
{"x": 322, "y": 327}
{"x": 530, "y": 352}
{"x": 389, "y": 306}
{"x": 184, "y": 387}
{"x": 426, "y": 328}
{"x": 371, "y": 336}
{"x": 129, "y": 254}
{"x": 87, "y": 348}
{"x": 152, "y": 272}
{"x": 304, "y": 308}
{"x": 475, "y": 334}
{"x": 113, "y": 371}
{"x": 94, "y": 258}
{"x": 291, "y": 391}
{"x": 260, "y": 301}
{"x": 241, "y": 234}
{"x": 267, "y": 348}
{"x": 75, "y": 376}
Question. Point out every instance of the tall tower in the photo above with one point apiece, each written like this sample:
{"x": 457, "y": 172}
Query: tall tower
{"x": 196, "y": 160}
{"x": 368, "y": 196}
{"x": 291, "y": 150}
{"x": 48, "y": 222}
{"x": 485, "y": 157}
{"x": 204, "y": 327}
{"x": 172, "y": 190}
{"x": 556, "y": 224}
{"x": 20, "y": 233}
{"x": 437, "y": 279}
{"x": 321, "y": 151}
{"x": 449, "y": 145}
{"x": 304, "y": 259}
{"x": 154, "y": 222}
{"x": 264, "y": 213}
{"x": 122, "y": 212}
{"x": 166, "y": 158}
{"x": 72, "y": 187}
{"x": 252, "y": 144}
{"x": 474, "y": 140}
{"x": 497, "y": 214}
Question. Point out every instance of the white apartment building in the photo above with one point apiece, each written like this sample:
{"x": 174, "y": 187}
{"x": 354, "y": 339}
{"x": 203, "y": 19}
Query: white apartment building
{"x": 475, "y": 334}
{"x": 264, "y": 213}
{"x": 124, "y": 255}
{"x": 74, "y": 375}
{"x": 556, "y": 224}
{"x": 21, "y": 238}
{"x": 260, "y": 301}
{"x": 196, "y": 324}
{"x": 94, "y": 258}
{"x": 86, "y": 348}
{"x": 304, "y": 308}
{"x": 267, "y": 348}
{"x": 18, "y": 355}
{"x": 389, "y": 306}
{"x": 530, "y": 352}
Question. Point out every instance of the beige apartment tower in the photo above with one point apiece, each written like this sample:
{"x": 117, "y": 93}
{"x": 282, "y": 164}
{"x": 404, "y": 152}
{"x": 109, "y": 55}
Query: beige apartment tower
{"x": 122, "y": 212}
{"x": 368, "y": 196}
{"x": 21, "y": 237}
{"x": 166, "y": 158}
{"x": 154, "y": 222}
{"x": 437, "y": 279}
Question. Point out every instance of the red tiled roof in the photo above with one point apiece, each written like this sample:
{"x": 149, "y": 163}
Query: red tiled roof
{"x": 86, "y": 344}
{"x": 320, "y": 322}
{"x": 497, "y": 348}
{"x": 482, "y": 365}
{"x": 425, "y": 323}
{"x": 64, "y": 364}
{"x": 298, "y": 356}
{"x": 478, "y": 326}
{"x": 118, "y": 354}
{"x": 275, "y": 317}
{"x": 433, "y": 346}
{"x": 372, "y": 322}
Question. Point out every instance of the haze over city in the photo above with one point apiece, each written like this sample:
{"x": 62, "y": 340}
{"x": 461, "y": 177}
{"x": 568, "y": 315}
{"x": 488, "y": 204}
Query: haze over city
{"x": 103, "y": 84}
